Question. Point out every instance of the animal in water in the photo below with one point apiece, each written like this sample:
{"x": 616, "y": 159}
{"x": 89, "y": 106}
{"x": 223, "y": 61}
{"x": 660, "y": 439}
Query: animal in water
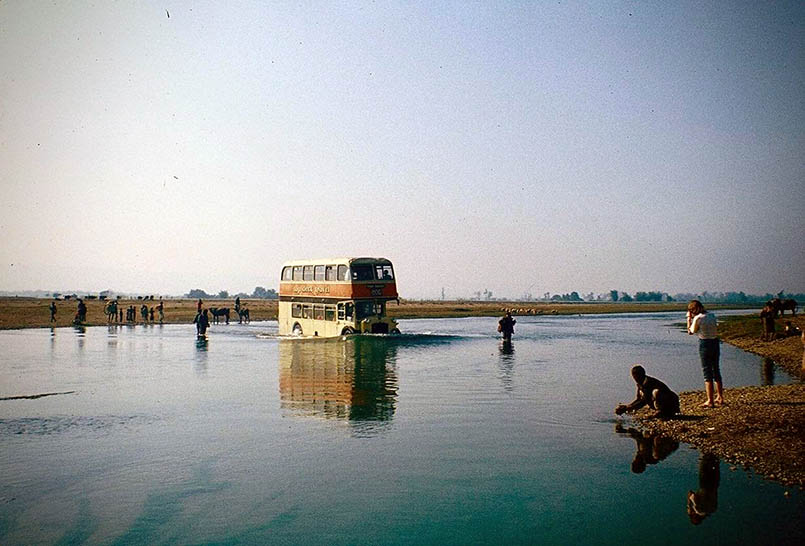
{"x": 243, "y": 315}
{"x": 217, "y": 314}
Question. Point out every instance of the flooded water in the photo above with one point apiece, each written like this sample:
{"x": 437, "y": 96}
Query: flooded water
{"x": 441, "y": 435}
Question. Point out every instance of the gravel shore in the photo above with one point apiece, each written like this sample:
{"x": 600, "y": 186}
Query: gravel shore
{"x": 759, "y": 428}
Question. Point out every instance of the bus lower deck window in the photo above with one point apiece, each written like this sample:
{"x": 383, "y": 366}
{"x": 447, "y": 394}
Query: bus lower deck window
{"x": 296, "y": 310}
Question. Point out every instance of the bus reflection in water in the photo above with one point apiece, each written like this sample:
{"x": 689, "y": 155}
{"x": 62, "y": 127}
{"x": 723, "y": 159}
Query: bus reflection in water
{"x": 353, "y": 381}
{"x": 336, "y": 297}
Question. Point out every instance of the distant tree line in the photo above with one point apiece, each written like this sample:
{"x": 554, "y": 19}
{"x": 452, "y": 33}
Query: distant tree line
{"x": 658, "y": 296}
{"x": 259, "y": 293}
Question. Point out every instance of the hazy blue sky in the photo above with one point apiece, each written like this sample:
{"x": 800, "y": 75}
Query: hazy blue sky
{"x": 544, "y": 146}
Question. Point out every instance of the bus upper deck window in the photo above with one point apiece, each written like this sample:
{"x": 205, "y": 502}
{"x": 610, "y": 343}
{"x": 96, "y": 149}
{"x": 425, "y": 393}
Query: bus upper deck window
{"x": 318, "y": 272}
{"x": 287, "y": 273}
{"x": 343, "y": 273}
{"x": 362, "y": 273}
{"x": 297, "y": 273}
{"x": 308, "y": 272}
{"x": 384, "y": 273}
{"x": 329, "y": 273}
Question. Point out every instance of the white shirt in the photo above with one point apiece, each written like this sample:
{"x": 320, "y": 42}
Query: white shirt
{"x": 706, "y": 325}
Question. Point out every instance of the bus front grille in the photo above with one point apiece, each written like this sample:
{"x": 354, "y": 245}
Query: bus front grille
{"x": 380, "y": 328}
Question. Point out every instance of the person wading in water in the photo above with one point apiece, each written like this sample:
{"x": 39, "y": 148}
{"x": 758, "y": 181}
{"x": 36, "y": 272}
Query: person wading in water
{"x": 506, "y": 326}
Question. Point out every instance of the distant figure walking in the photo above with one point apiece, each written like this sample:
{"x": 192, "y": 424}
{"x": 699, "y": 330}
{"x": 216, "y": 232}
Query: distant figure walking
{"x": 151, "y": 315}
{"x": 198, "y": 307}
{"x": 161, "y": 310}
{"x": 53, "y": 311}
{"x": 653, "y": 393}
{"x": 506, "y": 326}
{"x": 237, "y": 304}
{"x": 81, "y": 314}
{"x": 202, "y": 322}
{"x": 705, "y": 325}
{"x": 144, "y": 313}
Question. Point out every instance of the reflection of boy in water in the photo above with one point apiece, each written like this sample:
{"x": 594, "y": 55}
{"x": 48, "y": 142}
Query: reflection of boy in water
{"x": 704, "y": 501}
{"x": 651, "y": 392}
{"x": 650, "y": 449}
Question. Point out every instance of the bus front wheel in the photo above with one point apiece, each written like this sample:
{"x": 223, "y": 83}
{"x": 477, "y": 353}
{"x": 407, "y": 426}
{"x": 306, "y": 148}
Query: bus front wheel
{"x": 297, "y": 330}
{"x": 347, "y": 331}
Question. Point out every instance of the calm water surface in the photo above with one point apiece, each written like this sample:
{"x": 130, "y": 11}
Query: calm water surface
{"x": 440, "y": 435}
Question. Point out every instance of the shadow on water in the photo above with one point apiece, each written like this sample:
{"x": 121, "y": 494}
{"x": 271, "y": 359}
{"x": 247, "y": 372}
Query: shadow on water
{"x": 353, "y": 380}
{"x": 651, "y": 449}
{"x": 704, "y": 501}
{"x": 506, "y": 364}
{"x": 766, "y": 372}
{"x": 201, "y": 356}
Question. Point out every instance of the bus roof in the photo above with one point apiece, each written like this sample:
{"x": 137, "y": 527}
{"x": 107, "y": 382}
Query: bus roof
{"x": 336, "y": 261}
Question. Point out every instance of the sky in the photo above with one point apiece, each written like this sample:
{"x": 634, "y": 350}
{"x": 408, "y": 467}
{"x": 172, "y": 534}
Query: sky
{"x": 533, "y": 147}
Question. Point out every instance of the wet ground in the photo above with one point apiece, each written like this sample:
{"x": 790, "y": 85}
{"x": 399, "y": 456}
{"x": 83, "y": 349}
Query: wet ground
{"x": 440, "y": 435}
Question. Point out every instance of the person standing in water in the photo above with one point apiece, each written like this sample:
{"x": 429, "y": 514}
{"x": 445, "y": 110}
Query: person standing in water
{"x": 705, "y": 325}
{"x": 53, "y": 311}
{"x": 506, "y": 326}
{"x": 201, "y": 321}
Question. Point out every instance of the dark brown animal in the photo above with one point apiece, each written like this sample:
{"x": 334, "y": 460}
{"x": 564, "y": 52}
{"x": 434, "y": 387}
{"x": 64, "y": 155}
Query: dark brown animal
{"x": 218, "y": 313}
{"x": 788, "y": 305}
{"x": 781, "y": 306}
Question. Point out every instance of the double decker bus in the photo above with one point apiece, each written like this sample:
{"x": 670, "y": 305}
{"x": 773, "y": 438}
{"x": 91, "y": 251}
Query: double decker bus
{"x": 336, "y": 297}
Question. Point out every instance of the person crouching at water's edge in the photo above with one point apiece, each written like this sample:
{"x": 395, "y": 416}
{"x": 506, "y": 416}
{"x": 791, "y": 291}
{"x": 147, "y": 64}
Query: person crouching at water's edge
{"x": 706, "y": 326}
{"x": 651, "y": 392}
{"x": 506, "y": 326}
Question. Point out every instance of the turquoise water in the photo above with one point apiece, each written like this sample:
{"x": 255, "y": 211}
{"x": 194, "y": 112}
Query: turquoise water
{"x": 441, "y": 435}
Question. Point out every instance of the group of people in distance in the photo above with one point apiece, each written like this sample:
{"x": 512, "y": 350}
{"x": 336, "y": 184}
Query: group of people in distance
{"x": 651, "y": 391}
{"x": 113, "y": 312}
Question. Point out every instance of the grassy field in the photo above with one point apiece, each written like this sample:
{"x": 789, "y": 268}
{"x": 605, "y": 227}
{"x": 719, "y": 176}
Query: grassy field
{"x": 34, "y": 313}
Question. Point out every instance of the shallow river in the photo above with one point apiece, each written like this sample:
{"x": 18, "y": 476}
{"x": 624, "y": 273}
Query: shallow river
{"x": 441, "y": 435}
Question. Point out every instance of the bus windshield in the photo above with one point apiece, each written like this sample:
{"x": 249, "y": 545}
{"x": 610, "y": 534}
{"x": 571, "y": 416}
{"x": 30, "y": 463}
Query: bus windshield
{"x": 365, "y": 309}
{"x": 362, "y": 273}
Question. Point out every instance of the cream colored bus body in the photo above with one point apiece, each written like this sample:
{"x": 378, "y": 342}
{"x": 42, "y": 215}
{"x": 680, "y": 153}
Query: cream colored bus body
{"x": 336, "y": 296}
